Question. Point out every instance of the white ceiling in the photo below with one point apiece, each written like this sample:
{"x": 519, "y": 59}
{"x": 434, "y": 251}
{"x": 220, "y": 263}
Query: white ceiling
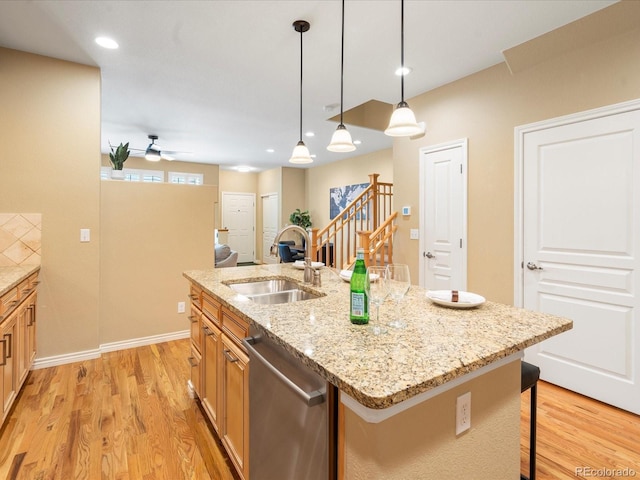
{"x": 220, "y": 78}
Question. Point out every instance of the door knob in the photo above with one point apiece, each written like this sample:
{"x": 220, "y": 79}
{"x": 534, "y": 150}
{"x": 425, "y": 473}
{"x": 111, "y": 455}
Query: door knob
{"x": 533, "y": 266}
{"x": 429, "y": 255}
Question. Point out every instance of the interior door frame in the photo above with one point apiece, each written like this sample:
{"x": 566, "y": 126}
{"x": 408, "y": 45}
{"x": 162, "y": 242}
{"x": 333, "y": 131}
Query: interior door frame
{"x": 262, "y": 197}
{"x": 464, "y": 144}
{"x": 518, "y": 210}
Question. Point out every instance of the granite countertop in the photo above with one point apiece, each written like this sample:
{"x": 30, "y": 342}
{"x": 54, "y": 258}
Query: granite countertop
{"x": 12, "y": 276}
{"x": 438, "y": 345}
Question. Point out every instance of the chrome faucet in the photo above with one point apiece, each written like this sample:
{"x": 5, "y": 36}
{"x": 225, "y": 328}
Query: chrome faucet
{"x": 308, "y": 270}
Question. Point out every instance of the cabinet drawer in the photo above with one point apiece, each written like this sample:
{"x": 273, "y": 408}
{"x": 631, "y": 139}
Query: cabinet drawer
{"x": 195, "y": 294}
{"x": 8, "y": 302}
{"x": 211, "y": 308}
{"x": 234, "y": 326}
{"x": 196, "y": 328}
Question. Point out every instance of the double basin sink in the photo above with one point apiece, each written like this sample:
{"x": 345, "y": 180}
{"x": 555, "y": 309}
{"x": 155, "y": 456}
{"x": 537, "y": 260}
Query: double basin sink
{"x": 274, "y": 291}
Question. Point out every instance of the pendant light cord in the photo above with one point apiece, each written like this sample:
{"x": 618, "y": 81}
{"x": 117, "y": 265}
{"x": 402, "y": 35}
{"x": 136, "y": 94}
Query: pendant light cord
{"x": 342, "y": 66}
{"x": 301, "y": 84}
{"x": 402, "y": 51}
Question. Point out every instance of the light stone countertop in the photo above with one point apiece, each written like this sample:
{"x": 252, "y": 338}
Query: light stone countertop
{"x": 438, "y": 345}
{"x": 12, "y": 276}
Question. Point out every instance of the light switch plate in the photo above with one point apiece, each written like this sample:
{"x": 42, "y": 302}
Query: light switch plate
{"x": 85, "y": 235}
{"x": 414, "y": 234}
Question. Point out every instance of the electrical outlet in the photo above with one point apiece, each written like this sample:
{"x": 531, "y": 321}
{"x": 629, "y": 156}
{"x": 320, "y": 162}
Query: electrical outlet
{"x": 463, "y": 413}
{"x": 181, "y": 307}
{"x": 414, "y": 234}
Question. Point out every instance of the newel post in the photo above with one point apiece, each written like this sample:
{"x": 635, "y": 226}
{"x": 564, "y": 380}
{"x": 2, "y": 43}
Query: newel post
{"x": 373, "y": 181}
{"x": 314, "y": 244}
{"x": 363, "y": 235}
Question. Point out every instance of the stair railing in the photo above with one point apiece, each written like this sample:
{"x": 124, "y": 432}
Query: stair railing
{"x": 366, "y": 222}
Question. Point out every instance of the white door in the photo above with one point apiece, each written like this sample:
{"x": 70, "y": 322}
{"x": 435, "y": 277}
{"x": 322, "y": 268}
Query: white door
{"x": 269, "y": 225}
{"x": 239, "y": 217}
{"x": 581, "y": 251}
{"x": 443, "y": 196}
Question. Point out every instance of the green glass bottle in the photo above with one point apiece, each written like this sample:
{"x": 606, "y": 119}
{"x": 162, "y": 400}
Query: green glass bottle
{"x": 359, "y": 305}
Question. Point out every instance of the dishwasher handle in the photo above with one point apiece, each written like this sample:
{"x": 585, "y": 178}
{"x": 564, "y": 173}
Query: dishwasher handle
{"x": 311, "y": 398}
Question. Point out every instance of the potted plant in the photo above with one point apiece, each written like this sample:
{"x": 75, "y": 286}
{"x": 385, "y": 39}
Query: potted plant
{"x": 118, "y": 157}
{"x": 302, "y": 219}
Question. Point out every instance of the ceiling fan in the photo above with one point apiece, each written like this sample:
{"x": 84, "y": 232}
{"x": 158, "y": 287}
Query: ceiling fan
{"x": 155, "y": 153}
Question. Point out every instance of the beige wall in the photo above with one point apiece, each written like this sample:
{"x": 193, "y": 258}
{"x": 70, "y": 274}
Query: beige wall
{"x": 421, "y": 442}
{"x": 151, "y": 234}
{"x": 110, "y": 289}
{"x": 485, "y": 108}
{"x": 50, "y": 164}
{"x": 344, "y": 172}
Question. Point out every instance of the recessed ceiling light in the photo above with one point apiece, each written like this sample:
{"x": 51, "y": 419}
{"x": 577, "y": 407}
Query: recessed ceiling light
{"x": 270, "y": 150}
{"x": 106, "y": 42}
{"x": 309, "y": 134}
{"x": 357, "y": 142}
{"x": 243, "y": 169}
{"x": 313, "y": 155}
{"x": 403, "y": 71}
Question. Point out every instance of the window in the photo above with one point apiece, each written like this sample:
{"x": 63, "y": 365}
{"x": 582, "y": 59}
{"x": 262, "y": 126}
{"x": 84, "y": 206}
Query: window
{"x": 186, "y": 178}
{"x": 135, "y": 175}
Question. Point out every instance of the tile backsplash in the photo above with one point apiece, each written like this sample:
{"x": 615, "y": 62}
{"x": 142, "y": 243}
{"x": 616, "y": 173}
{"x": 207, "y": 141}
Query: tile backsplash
{"x": 20, "y": 239}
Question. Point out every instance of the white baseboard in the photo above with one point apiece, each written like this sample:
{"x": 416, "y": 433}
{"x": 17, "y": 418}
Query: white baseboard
{"x": 107, "y": 347}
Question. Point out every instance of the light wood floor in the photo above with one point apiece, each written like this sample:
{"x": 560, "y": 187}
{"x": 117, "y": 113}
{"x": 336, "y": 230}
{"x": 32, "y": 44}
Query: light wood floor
{"x": 127, "y": 416}
{"x": 124, "y": 416}
{"x": 577, "y": 432}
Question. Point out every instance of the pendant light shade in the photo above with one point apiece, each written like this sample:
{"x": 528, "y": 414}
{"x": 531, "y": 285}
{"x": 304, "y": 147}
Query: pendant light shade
{"x": 341, "y": 138}
{"x": 403, "y": 121}
{"x": 300, "y": 153}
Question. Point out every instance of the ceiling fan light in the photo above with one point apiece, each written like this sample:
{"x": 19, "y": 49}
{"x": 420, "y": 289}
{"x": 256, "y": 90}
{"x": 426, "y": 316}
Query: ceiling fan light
{"x": 300, "y": 154}
{"x": 403, "y": 122}
{"x": 341, "y": 140}
{"x": 152, "y": 154}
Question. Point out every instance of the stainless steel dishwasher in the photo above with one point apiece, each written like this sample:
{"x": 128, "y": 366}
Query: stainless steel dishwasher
{"x": 292, "y": 421}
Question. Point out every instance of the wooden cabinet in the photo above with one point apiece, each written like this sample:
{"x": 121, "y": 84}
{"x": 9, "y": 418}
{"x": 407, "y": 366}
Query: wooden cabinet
{"x": 212, "y": 384}
{"x": 221, "y": 365}
{"x": 17, "y": 339}
{"x": 235, "y": 405}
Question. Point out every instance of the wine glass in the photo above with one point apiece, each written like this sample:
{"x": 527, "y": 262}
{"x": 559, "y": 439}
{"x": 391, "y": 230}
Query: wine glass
{"x": 398, "y": 280}
{"x": 375, "y": 286}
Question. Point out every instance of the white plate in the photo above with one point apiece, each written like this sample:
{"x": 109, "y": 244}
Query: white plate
{"x": 465, "y": 299}
{"x": 346, "y": 275}
{"x": 299, "y": 264}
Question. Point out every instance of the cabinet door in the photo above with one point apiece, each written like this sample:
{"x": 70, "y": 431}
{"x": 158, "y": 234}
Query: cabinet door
{"x": 8, "y": 340}
{"x": 235, "y": 405}
{"x": 195, "y": 360}
{"x": 22, "y": 343}
{"x": 31, "y": 330}
{"x": 196, "y": 328}
{"x": 211, "y": 352}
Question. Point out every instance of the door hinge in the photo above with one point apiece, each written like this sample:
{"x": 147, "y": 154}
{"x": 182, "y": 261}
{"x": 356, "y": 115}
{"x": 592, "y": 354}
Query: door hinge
{"x": 460, "y": 168}
{"x": 460, "y": 243}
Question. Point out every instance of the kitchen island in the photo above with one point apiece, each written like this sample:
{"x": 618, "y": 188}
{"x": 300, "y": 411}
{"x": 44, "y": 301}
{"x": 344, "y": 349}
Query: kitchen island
{"x": 398, "y": 389}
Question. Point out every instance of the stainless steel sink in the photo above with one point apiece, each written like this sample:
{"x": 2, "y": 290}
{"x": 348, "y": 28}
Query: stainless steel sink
{"x": 274, "y": 291}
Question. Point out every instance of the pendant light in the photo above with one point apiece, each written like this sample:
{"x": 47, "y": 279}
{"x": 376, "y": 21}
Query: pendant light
{"x": 403, "y": 121}
{"x": 341, "y": 139}
{"x": 301, "y": 152}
